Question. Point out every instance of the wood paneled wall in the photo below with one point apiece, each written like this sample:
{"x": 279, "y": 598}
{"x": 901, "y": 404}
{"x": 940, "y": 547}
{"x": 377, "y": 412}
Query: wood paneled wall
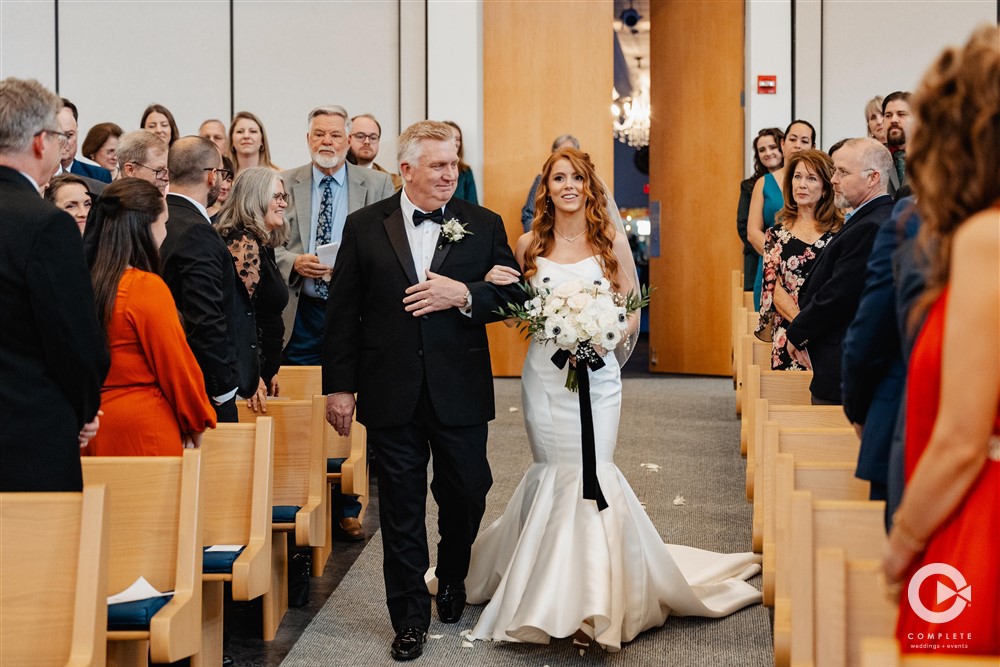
{"x": 696, "y": 165}
{"x": 547, "y": 70}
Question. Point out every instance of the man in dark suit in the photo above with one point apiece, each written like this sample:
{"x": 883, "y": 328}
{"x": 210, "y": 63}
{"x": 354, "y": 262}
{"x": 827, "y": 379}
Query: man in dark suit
{"x": 405, "y": 330}
{"x": 214, "y": 306}
{"x": 873, "y": 374}
{"x": 68, "y": 120}
{"x": 829, "y": 296}
{"x": 320, "y": 196}
{"x": 53, "y": 353}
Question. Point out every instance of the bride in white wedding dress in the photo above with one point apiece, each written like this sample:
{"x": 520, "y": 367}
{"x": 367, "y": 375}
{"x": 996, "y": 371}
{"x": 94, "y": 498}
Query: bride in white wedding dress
{"x": 553, "y": 565}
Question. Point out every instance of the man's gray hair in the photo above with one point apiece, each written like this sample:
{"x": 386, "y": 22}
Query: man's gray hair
{"x": 189, "y": 158}
{"x": 563, "y": 138}
{"x": 329, "y": 110}
{"x": 26, "y": 108}
{"x": 135, "y": 147}
{"x": 409, "y": 146}
{"x": 874, "y": 156}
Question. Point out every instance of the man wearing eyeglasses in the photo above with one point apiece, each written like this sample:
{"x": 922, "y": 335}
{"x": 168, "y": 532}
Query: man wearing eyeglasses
{"x": 215, "y": 309}
{"x": 828, "y": 298}
{"x": 142, "y": 154}
{"x": 365, "y": 136}
{"x": 53, "y": 354}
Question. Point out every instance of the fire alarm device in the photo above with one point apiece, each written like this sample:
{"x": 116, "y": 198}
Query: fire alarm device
{"x": 767, "y": 84}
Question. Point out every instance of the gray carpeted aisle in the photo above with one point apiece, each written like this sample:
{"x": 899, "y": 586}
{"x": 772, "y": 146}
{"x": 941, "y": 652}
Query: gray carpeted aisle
{"x": 685, "y": 425}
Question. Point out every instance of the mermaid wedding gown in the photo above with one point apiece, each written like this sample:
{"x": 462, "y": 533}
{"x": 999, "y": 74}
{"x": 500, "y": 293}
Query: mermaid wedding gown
{"x": 552, "y": 563}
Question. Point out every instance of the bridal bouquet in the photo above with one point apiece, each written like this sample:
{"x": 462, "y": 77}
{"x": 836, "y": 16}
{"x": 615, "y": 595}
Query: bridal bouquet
{"x": 577, "y": 316}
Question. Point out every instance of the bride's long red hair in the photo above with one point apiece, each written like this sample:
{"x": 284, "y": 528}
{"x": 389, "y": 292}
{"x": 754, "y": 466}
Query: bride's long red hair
{"x": 600, "y": 228}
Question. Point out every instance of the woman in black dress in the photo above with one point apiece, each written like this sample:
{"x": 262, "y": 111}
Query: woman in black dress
{"x": 252, "y": 223}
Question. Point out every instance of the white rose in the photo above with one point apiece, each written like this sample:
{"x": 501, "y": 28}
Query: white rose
{"x": 588, "y": 324}
{"x": 579, "y": 301}
{"x": 568, "y": 288}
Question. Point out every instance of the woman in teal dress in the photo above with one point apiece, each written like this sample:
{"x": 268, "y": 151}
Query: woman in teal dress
{"x": 767, "y": 200}
{"x": 466, "y": 188}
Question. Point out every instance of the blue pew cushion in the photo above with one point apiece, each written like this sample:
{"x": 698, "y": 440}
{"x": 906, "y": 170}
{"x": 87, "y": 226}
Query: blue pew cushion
{"x": 135, "y": 615}
{"x": 334, "y": 465}
{"x": 284, "y": 513}
{"x": 219, "y": 562}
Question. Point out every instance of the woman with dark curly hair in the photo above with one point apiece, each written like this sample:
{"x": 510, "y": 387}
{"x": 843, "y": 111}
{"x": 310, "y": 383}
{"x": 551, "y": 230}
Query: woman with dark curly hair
{"x": 951, "y": 506}
{"x": 556, "y": 564}
{"x": 801, "y": 230}
{"x": 767, "y": 159}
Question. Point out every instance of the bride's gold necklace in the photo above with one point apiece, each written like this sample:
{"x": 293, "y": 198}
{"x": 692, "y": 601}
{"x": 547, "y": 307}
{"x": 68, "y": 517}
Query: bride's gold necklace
{"x": 569, "y": 239}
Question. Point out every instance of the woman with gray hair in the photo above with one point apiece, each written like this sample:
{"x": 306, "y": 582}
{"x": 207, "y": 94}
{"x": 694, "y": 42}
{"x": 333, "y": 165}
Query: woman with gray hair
{"x": 252, "y": 223}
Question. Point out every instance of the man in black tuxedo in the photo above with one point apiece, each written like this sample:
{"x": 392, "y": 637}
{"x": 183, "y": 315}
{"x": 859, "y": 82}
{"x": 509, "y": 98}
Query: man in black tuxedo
{"x": 829, "y": 296}
{"x": 53, "y": 352}
{"x": 214, "y": 306}
{"x": 405, "y": 330}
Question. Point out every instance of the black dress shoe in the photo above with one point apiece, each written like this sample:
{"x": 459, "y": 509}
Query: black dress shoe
{"x": 408, "y": 644}
{"x": 227, "y": 661}
{"x": 450, "y": 602}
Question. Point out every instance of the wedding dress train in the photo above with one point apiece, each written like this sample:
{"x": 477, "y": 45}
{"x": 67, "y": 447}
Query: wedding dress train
{"x": 552, "y": 563}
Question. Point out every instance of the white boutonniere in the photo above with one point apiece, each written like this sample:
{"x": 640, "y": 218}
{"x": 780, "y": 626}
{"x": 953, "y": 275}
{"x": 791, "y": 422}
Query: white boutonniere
{"x": 453, "y": 231}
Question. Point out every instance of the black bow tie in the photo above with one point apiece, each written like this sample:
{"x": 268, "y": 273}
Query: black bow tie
{"x": 419, "y": 217}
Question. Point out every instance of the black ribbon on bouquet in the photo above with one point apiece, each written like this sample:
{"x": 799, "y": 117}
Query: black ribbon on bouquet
{"x": 591, "y": 486}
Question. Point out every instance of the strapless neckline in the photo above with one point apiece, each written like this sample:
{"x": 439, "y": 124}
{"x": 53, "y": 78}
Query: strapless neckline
{"x": 585, "y": 259}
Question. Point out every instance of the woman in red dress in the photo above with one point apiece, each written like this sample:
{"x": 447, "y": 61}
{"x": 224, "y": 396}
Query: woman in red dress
{"x": 944, "y": 547}
{"x": 154, "y": 397}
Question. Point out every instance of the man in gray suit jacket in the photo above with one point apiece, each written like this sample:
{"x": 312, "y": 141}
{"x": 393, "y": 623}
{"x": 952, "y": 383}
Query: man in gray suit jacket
{"x": 321, "y": 195}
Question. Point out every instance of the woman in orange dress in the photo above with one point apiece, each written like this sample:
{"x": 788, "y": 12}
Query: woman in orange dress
{"x": 944, "y": 546}
{"x": 154, "y": 398}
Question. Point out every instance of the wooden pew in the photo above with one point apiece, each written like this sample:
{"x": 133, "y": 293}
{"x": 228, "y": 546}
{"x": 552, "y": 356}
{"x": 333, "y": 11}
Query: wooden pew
{"x": 154, "y": 529}
{"x": 54, "y": 568}
{"x": 850, "y": 606}
{"x": 807, "y": 445}
{"x": 856, "y": 527}
{"x": 300, "y": 382}
{"x": 778, "y": 388}
{"x": 735, "y": 303}
{"x": 299, "y": 481}
{"x": 237, "y": 472}
{"x": 753, "y": 351}
{"x": 826, "y": 481}
{"x": 884, "y": 652}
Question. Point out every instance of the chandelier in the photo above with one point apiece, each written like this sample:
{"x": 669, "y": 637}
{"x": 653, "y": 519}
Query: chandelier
{"x": 630, "y": 115}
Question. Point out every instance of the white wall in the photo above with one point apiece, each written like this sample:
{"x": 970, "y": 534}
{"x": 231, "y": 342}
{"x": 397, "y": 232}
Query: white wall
{"x": 768, "y": 51}
{"x": 903, "y": 41}
{"x": 847, "y": 51}
{"x": 455, "y": 74}
{"x": 28, "y": 41}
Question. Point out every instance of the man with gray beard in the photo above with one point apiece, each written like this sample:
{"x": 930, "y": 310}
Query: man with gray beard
{"x": 320, "y": 196}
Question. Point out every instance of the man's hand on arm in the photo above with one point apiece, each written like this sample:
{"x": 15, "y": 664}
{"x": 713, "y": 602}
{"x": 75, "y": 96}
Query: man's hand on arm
{"x": 340, "y": 412}
{"x": 308, "y": 265}
{"x": 436, "y": 293}
{"x": 801, "y": 356}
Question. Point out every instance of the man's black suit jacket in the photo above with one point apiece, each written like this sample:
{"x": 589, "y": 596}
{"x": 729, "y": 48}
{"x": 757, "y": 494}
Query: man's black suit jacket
{"x": 828, "y": 298}
{"x": 53, "y": 353}
{"x": 215, "y": 308}
{"x": 375, "y": 348}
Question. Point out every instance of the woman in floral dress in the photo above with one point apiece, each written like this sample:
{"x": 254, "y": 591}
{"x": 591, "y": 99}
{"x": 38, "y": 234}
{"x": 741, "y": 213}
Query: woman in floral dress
{"x": 801, "y": 230}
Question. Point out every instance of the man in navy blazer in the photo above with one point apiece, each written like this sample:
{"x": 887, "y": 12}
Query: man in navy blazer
{"x": 68, "y": 120}
{"x": 829, "y": 297}
{"x": 873, "y": 375}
